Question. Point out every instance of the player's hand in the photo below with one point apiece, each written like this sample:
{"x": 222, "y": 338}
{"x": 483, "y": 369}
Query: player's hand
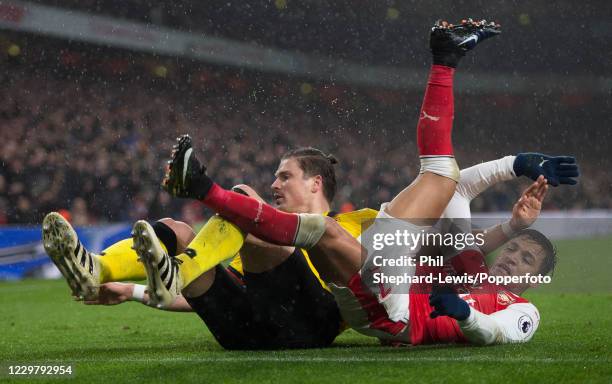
{"x": 112, "y": 294}
{"x": 446, "y": 302}
{"x": 556, "y": 169}
{"x": 527, "y": 209}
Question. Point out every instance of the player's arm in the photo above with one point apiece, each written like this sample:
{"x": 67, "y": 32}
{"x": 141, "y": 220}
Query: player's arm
{"x": 515, "y": 324}
{"x": 117, "y": 293}
{"x": 556, "y": 169}
{"x": 475, "y": 180}
{"x": 478, "y": 178}
{"x": 524, "y": 213}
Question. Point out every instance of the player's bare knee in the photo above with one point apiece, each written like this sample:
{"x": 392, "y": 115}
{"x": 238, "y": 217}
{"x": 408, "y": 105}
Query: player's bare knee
{"x": 184, "y": 233}
{"x": 437, "y": 185}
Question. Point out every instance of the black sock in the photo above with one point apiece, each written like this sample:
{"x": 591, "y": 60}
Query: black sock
{"x": 167, "y": 236}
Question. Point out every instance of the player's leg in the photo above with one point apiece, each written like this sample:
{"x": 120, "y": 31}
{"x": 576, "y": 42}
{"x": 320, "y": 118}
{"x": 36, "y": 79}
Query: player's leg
{"x": 217, "y": 240}
{"x": 78, "y": 266}
{"x": 85, "y": 271}
{"x": 186, "y": 177}
{"x": 429, "y": 194}
{"x": 362, "y": 300}
{"x": 181, "y": 231}
{"x": 119, "y": 262}
{"x": 168, "y": 277}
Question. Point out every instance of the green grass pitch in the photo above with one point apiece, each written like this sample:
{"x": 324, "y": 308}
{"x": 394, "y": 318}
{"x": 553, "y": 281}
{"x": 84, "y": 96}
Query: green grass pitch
{"x": 132, "y": 343}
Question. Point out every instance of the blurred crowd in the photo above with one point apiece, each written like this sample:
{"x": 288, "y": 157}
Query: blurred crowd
{"x": 96, "y": 146}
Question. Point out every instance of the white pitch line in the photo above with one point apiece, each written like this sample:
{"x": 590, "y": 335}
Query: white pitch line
{"x": 306, "y": 359}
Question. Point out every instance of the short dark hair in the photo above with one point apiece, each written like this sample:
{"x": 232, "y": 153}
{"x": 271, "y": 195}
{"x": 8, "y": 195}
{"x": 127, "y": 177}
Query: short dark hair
{"x": 550, "y": 251}
{"x": 315, "y": 162}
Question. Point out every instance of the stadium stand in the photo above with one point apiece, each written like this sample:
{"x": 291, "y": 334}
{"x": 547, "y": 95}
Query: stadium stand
{"x": 114, "y": 133}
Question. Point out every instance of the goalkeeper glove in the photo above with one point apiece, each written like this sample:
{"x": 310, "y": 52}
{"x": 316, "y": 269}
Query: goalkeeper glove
{"x": 446, "y": 302}
{"x": 556, "y": 169}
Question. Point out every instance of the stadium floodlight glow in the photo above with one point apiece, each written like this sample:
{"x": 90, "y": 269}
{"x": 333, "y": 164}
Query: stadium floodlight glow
{"x": 524, "y": 19}
{"x": 160, "y": 71}
{"x": 306, "y": 88}
{"x": 392, "y": 13}
{"x": 280, "y": 4}
{"x": 13, "y": 50}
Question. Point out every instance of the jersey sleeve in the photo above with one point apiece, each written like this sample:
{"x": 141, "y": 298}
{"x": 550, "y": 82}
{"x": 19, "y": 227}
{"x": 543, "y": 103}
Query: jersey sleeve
{"x": 515, "y": 324}
{"x": 476, "y": 179}
{"x": 458, "y": 208}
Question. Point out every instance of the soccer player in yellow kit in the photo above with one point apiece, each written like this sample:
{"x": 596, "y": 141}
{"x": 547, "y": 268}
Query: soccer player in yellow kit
{"x": 269, "y": 297}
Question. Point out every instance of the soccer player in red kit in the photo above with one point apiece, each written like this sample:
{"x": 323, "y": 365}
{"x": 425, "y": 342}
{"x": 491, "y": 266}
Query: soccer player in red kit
{"x": 485, "y": 313}
{"x": 445, "y": 316}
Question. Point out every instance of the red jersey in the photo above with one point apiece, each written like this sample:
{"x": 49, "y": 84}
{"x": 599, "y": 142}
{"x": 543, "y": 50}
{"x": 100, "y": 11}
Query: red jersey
{"x": 486, "y": 299}
{"x": 444, "y": 329}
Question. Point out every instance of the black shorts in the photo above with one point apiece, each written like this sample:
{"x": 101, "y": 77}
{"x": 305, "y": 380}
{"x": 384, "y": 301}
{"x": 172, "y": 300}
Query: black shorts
{"x": 285, "y": 307}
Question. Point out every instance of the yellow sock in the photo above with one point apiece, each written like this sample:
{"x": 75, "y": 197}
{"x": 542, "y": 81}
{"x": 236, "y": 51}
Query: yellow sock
{"x": 218, "y": 240}
{"x": 119, "y": 262}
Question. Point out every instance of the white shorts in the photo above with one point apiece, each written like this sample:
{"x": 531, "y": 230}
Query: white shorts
{"x": 370, "y": 304}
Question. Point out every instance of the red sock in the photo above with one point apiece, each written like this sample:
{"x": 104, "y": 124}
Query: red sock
{"x": 253, "y": 216}
{"x": 436, "y": 119}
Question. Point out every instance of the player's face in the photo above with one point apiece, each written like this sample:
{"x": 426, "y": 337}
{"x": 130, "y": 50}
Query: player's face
{"x": 292, "y": 191}
{"x": 518, "y": 257}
